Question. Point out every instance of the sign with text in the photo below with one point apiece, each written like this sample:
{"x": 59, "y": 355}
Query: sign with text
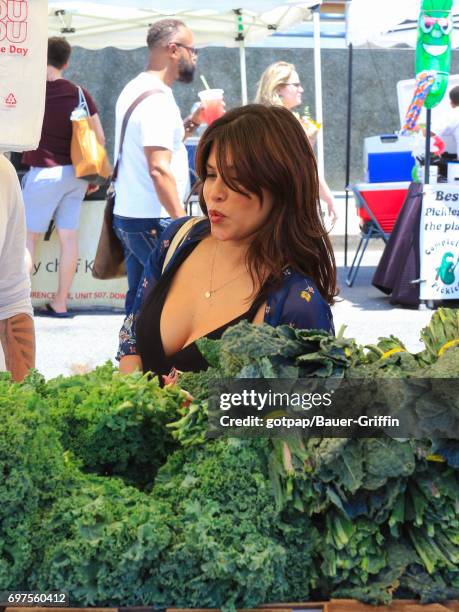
{"x": 439, "y": 242}
{"x": 23, "y": 50}
{"x": 86, "y": 291}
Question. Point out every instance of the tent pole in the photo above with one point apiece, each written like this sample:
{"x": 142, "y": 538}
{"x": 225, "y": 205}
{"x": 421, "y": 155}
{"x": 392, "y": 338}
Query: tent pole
{"x": 318, "y": 88}
{"x": 243, "y": 67}
{"x": 428, "y": 303}
{"x": 348, "y": 147}
{"x": 427, "y": 160}
{"x": 242, "y": 60}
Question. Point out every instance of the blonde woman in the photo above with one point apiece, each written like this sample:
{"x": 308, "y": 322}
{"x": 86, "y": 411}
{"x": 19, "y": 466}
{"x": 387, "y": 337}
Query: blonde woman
{"x": 280, "y": 85}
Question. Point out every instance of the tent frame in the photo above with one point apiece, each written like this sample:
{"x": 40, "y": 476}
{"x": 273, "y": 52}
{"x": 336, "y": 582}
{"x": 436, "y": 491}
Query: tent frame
{"x": 144, "y": 18}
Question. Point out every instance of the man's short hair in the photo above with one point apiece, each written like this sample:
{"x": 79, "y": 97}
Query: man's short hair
{"x": 162, "y": 32}
{"x": 59, "y": 52}
{"x": 454, "y": 95}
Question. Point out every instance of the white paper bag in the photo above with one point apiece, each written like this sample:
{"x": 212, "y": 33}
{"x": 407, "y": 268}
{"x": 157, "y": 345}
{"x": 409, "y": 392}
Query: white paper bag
{"x": 23, "y": 53}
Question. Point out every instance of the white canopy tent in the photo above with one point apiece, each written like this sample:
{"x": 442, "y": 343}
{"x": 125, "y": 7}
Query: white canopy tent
{"x": 123, "y": 24}
{"x": 382, "y": 24}
{"x": 388, "y": 23}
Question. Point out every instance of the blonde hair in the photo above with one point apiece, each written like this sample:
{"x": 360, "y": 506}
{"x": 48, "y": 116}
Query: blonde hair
{"x": 275, "y": 75}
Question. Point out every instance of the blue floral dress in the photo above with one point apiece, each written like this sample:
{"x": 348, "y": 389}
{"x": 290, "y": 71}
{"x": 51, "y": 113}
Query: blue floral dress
{"x": 295, "y": 302}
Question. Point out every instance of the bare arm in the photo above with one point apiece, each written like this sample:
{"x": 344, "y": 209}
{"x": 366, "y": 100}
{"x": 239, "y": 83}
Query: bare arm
{"x": 99, "y": 130}
{"x": 192, "y": 122}
{"x": 130, "y": 363}
{"x": 159, "y": 164}
{"x": 324, "y": 190}
{"x": 17, "y": 336}
{"x": 327, "y": 196}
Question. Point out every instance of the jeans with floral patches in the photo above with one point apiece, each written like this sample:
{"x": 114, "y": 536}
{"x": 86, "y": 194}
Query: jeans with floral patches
{"x": 139, "y": 237}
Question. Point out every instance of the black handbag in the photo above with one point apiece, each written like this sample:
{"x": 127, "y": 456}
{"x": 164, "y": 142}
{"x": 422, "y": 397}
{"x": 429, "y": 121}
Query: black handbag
{"x": 109, "y": 259}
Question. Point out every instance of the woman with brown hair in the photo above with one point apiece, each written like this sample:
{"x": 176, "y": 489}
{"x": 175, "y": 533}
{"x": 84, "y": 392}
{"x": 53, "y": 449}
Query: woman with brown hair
{"x": 280, "y": 85}
{"x": 260, "y": 253}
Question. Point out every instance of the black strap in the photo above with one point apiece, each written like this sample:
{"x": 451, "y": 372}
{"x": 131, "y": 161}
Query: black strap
{"x": 129, "y": 112}
{"x": 49, "y": 231}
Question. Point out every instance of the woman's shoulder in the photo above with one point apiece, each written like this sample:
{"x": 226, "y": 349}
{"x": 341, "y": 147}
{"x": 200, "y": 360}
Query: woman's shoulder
{"x": 295, "y": 280}
{"x": 155, "y": 263}
{"x": 297, "y": 301}
{"x": 196, "y": 232}
{"x": 173, "y": 228}
{"x": 302, "y": 289}
{"x": 197, "y": 226}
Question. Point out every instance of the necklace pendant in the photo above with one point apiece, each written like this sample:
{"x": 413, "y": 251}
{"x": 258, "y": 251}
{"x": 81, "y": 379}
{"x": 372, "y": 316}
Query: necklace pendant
{"x": 207, "y": 294}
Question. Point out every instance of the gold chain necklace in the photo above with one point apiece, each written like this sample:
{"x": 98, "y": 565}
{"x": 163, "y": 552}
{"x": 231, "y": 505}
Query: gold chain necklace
{"x": 208, "y": 294}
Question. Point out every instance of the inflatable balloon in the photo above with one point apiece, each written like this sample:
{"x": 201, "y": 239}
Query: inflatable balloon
{"x": 424, "y": 82}
{"x": 433, "y": 49}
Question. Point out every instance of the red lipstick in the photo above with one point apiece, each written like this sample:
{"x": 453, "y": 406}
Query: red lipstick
{"x": 215, "y": 216}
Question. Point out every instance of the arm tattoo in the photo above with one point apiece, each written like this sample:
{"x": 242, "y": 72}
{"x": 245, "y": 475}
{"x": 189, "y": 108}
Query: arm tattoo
{"x": 17, "y": 335}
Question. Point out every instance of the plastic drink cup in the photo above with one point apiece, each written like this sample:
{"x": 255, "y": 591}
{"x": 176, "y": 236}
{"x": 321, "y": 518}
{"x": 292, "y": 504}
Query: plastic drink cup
{"x": 212, "y": 104}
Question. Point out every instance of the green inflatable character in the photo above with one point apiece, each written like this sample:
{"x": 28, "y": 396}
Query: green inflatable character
{"x": 433, "y": 49}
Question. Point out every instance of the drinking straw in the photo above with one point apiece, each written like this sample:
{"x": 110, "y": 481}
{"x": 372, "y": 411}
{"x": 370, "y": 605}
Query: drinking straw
{"x": 204, "y": 81}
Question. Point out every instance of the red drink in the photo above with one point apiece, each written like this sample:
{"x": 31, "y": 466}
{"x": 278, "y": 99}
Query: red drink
{"x": 212, "y": 104}
{"x": 212, "y": 109}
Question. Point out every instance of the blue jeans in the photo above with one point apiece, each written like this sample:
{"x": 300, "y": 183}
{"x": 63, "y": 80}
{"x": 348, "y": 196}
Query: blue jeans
{"x": 138, "y": 237}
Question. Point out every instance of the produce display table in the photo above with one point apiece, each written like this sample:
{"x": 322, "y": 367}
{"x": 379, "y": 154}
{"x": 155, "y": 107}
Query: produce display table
{"x": 334, "y": 605}
{"x": 372, "y": 517}
{"x": 352, "y": 605}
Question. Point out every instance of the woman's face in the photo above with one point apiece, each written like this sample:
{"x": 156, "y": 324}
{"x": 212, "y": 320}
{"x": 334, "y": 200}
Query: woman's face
{"x": 291, "y": 92}
{"x": 232, "y": 215}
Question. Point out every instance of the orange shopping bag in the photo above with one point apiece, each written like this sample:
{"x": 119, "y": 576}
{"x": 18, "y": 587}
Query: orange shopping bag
{"x": 89, "y": 157}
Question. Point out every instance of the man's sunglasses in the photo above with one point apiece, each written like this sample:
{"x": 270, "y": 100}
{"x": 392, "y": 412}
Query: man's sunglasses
{"x": 192, "y": 50}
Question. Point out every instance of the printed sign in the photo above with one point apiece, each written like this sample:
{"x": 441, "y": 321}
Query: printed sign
{"x": 86, "y": 292}
{"x": 13, "y": 25}
{"x": 439, "y": 242}
{"x": 23, "y": 47}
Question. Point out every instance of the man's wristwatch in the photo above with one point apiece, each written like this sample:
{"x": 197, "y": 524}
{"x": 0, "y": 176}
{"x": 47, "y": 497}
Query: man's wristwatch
{"x": 191, "y": 126}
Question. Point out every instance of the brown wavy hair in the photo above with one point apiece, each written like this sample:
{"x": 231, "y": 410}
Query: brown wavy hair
{"x": 269, "y": 150}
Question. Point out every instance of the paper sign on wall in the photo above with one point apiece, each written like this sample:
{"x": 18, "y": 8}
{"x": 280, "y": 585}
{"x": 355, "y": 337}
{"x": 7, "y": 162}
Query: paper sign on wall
{"x": 439, "y": 243}
{"x": 23, "y": 51}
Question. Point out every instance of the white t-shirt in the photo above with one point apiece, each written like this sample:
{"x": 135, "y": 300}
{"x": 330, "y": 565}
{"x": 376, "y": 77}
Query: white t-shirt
{"x": 155, "y": 122}
{"x": 14, "y": 279}
{"x": 448, "y": 130}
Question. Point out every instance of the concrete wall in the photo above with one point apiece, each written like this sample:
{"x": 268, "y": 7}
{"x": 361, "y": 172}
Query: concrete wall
{"x": 375, "y": 109}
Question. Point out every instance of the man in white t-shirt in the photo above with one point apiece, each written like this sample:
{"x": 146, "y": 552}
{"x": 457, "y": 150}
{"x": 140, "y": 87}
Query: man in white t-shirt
{"x": 153, "y": 174}
{"x": 17, "y": 337}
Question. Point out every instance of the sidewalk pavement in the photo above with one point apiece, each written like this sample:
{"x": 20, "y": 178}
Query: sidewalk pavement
{"x": 75, "y": 345}
{"x": 70, "y": 346}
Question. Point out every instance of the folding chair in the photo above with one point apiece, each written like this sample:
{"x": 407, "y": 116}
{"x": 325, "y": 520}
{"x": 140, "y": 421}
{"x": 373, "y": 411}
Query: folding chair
{"x": 378, "y": 206}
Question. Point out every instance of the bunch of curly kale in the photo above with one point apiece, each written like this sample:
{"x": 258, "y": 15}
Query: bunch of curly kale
{"x": 112, "y": 491}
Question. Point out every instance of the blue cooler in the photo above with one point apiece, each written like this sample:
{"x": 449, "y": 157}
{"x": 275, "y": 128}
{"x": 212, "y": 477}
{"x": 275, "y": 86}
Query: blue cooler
{"x": 388, "y": 158}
